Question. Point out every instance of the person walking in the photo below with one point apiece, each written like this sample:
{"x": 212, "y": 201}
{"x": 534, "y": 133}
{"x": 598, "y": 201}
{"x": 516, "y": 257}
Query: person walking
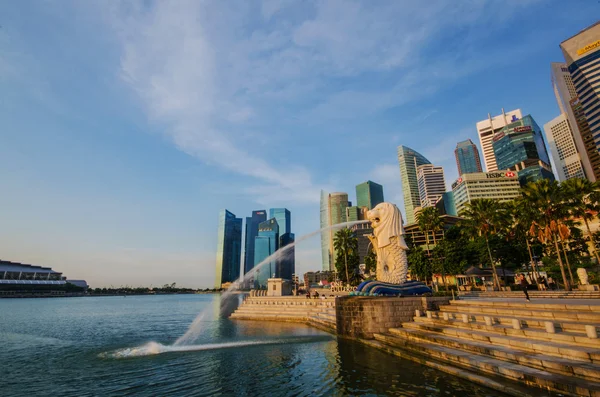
{"x": 524, "y": 285}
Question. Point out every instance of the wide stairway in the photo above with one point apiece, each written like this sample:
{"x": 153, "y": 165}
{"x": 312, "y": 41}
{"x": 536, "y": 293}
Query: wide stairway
{"x": 317, "y": 312}
{"x": 533, "y": 294}
{"x": 548, "y": 344}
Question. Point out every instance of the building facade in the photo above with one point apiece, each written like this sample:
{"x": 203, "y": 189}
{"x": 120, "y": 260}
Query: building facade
{"x": 431, "y": 183}
{"x": 588, "y": 139}
{"x": 582, "y": 54}
{"x": 229, "y": 248}
{"x": 567, "y": 100}
{"x": 446, "y": 205}
{"x": 409, "y": 160}
{"x": 369, "y": 194}
{"x": 500, "y": 186}
{"x": 266, "y": 243}
{"x": 250, "y": 235}
{"x": 283, "y": 216}
{"x": 286, "y": 264}
{"x": 467, "y": 157}
{"x": 567, "y": 163}
{"x": 486, "y": 130}
{"x": 519, "y": 146}
{"x": 333, "y": 212}
{"x": 355, "y": 213}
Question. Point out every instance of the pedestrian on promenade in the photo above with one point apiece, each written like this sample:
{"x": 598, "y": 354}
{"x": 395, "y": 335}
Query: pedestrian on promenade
{"x": 524, "y": 285}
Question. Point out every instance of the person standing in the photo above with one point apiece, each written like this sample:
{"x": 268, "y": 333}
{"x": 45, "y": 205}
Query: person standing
{"x": 524, "y": 285}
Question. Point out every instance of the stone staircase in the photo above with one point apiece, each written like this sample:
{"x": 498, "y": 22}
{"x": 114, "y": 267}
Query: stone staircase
{"x": 533, "y": 294}
{"x": 317, "y": 312}
{"x": 552, "y": 346}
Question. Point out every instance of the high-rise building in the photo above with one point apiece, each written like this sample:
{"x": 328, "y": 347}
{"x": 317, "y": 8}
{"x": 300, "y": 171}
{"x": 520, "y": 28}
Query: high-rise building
{"x": 266, "y": 243}
{"x": 519, "y": 146}
{"x": 229, "y": 248}
{"x": 467, "y": 157}
{"x": 566, "y": 158}
{"x": 409, "y": 160}
{"x": 333, "y": 212}
{"x": 251, "y": 233}
{"x": 432, "y": 185}
{"x": 500, "y": 186}
{"x": 284, "y": 219}
{"x": 354, "y": 213}
{"x": 582, "y": 54}
{"x": 369, "y": 194}
{"x": 446, "y": 204}
{"x": 486, "y": 130}
{"x": 286, "y": 264}
{"x": 566, "y": 97}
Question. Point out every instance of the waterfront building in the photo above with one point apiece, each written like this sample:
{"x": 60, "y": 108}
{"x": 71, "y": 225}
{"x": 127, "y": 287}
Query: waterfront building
{"x": 486, "y": 130}
{"x": 446, "y": 204}
{"x": 229, "y": 248}
{"x": 582, "y": 55}
{"x": 286, "y": 265}
{"x": 431, "y": 183}
{"x": 519, "y": 146}
{"x": 467, "y": 157}
{"x": 333, "y": 212}
{"x": 266, "y": 243}
{"x": 318, "y": 277}
{"x": 500, "y": 186}
{"x": 409, "y": 160}
{"x": 17, "y": 279}
{"x": 566, "y": 158}
{"x": 251, "y": 233}
{"x": 369, "y": 194}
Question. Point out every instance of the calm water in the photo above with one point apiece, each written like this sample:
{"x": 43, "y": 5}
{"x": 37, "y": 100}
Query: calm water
{"x": 82, "y": 346}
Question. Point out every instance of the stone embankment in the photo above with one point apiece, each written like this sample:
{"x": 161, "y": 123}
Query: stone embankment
{"x": 532, "y": 294}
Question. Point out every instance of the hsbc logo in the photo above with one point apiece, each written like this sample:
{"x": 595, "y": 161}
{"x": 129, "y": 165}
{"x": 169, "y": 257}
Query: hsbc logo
{"x": 493, "y": 175}
{"x": 509, "y": 174}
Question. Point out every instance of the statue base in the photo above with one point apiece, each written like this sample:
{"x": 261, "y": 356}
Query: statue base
{"x": 378, "y": 288}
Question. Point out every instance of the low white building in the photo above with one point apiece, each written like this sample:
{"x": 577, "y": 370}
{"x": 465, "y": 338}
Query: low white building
{"x": 498, "y": 185}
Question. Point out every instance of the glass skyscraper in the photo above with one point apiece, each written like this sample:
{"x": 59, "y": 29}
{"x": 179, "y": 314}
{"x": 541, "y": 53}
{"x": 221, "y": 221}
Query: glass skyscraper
{"x": 251, "y": 233}
{"x": 287, "y": 264}
{"x": 409, "y": 160}
{"x": 333, "y": 212}
{"x": 229, "y": 248}
{"x": 266, "y": 243}
{"x": 467, "y": 157}
{"x": 519, "y": 146}
{"x": 283, "y": 218}
{"x": 369, "y": 194}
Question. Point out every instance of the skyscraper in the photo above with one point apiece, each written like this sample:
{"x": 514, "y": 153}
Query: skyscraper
{"x": 566, "y": 98}
{"x": 286, "y": 265}
{"x": 432, "y": 185}
{"x": 582, "y": 53}
{"x": 369, "y": 194}
{"x": 229, "y": 248}
{"x": 266, "y": 243}
{"x": 467, "y": 157}
{"x": 486, "y": 130}
{"x": 588, "y": 139}
{"x": 519, "y": 146}
{"x": 563, "y": 149}
{"x": 284, "y": 219}
{"x": 409, "y": 160}
{"x": 251, "y": 233}
{"x": 333, "y": 212}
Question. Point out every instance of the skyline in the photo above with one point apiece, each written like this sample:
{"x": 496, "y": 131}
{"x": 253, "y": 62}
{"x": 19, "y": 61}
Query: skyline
{"x": 127, "y": 128}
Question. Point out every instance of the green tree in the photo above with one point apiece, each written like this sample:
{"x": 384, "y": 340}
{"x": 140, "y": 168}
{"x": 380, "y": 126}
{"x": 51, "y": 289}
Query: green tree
{"x": 370, "y": 261}
{"x": 346, "y": 247}
{"x": 419, "y": 264}
{"x": 429, "y": 221}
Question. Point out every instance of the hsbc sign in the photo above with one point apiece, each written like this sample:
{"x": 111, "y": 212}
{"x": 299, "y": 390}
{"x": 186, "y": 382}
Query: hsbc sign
{"x": 494, "y": 175}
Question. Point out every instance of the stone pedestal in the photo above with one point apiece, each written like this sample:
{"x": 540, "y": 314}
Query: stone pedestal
{"x": 278, "y": 287}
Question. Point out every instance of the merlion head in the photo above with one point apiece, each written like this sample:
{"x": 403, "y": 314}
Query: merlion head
{"x": 386, "y": 221}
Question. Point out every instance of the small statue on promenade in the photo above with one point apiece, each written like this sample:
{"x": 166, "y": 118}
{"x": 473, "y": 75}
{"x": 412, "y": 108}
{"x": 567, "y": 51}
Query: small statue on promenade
{"x": 583, "y": 276}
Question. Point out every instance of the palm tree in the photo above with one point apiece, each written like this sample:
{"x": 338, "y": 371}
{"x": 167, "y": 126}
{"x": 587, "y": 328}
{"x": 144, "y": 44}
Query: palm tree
{"x": 343, "y": 242}
{"x": 547, "y": 199}
{"x": 429, "y": 220}
{"x": 517, "y": 221}
{"x": 581, "y": 196}
{"x": 481, "y": 218}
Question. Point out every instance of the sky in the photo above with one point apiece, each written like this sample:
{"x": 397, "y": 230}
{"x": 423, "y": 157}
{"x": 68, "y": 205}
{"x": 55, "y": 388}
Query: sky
{"x": 125, "y": 126}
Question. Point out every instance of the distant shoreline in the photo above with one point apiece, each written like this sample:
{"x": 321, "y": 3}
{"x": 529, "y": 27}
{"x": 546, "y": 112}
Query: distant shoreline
{"x": 80, "y": 295}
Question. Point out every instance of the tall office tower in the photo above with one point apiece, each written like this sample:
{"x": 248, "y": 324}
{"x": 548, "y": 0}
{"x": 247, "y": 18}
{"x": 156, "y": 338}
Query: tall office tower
{"x": 432, "y": 185}
{"x": 566, "y": 96}
{"x": 266, "y": 243}
{"x": 229, "y": 248}
{"x": 369, "y": 194}
{"x": 409, "y": 160}
{"x": 284, "y": 219}
{"x": 251, "y": 233}
{"x": 467, "y": 157}
{"x": 519, "y": 146}
{"x": 486, "y": 130}
{"x": 582, "y": 53}
{"x": 356, "y": 213}
{"x": 286, "y": 265}
{"x": 499, "y": 186}
{"x": 563, "y": 149}
{"x": 588, "y": 139}
{"x": 333, "y": 212}
{"x": 446, "y": 205}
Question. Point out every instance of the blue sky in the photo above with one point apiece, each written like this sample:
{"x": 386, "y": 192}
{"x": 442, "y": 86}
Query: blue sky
{"x": 126, "y": 126}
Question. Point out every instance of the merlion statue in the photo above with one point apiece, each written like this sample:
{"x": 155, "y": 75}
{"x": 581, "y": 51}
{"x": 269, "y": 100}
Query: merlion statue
{"x": 390, "y": 247}
{"x": 583, "y": 276}
{"x": 388, "y": 243}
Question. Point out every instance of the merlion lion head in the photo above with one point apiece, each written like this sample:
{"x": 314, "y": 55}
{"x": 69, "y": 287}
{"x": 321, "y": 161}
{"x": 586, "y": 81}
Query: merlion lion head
{"x": 386, "y": 221}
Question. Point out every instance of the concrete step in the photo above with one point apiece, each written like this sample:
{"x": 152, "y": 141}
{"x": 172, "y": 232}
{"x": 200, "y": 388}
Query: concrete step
{"x": 321, "y": 323}
{"x": 257, "y": 308}
{"x": 524, "y": 305}
{"x": 536, "y": 360}
{"x": 566, "y": 337}
{"x": 576, "y": 353}
{"x": 267, "y": 316}
{"x": 471, "y": 361}
{"x": 587, "y": 317}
